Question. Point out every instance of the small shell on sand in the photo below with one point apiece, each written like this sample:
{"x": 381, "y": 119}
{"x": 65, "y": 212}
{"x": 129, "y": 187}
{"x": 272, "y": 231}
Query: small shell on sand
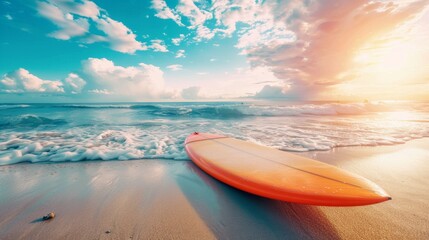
{"x": 49, "y": 216}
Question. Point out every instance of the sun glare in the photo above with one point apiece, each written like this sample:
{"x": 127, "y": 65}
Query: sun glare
{"x": 396, "y": 62}
{"x": 401, "y": 116}
{"x": 393, "y": 67}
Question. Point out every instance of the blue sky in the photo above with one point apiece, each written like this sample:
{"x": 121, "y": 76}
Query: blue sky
{"x": 81, "y": 50}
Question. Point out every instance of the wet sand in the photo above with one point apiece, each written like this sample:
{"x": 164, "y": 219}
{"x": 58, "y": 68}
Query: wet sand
{"x": 163, "y": 199}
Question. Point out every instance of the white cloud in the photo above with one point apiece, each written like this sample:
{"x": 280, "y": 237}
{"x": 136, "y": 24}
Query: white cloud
{"x": 195, "y": 15}
{"x": 264, "y": 21}
{"x": 188, "y": 11}
{"x": 204, "y": 33}
{"x": 164, "y": 12}
{"x": 259, "y": 20}
{"x": 264, "y": 35}
{"x": 83, "y": 8}
{"x": 8, "y": 17}
{"x": 74, "y": 19}
{"x": 74, "y": 83}
{"x": 192, "y": 93}
{"x": 158, "y": 45}
{"x": 175, "y": 67}
{"x": 121, "y": 38}
{"x": 180, "y": 54}
{"x": 228, "y": 14}
{"x": 100, "y": 91}
{"x": 92, "y": 38}
{"x": 212, "y": 59}
{"x": 22, "y": 80}
{"x": 135, "y": 82}
{"x": 68, "y": 24}
{"x": 177, "y": 41}
{"x": 269, "y": 91}
{"x": 241, "y": 82}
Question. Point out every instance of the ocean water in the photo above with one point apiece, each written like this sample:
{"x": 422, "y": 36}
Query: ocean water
{"x": 79, "y": 132}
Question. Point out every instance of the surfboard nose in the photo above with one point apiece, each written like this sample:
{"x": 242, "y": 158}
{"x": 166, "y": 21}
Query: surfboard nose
{"x": 368, "y": 191}
{"x": 361, "y": 192}
{"x": 358, "y": 200}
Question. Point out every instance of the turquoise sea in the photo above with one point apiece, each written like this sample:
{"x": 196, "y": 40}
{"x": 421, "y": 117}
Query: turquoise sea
{"x": 124, "y": 131}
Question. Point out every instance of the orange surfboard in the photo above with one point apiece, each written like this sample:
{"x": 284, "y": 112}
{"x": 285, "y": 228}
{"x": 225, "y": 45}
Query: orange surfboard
{"x": 279, "y": 175}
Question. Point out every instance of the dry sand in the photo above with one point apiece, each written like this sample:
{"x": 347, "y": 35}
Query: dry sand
{"x": 162, "y": 199}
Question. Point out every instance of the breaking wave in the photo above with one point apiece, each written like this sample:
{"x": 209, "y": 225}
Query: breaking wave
{"x": 29, "y": 120}
{"x": 9, "y": 106}
{"x": 238, "y": 110}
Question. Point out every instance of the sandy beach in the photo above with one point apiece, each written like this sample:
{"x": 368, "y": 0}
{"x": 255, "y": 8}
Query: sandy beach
{"x": 164, "y": 199}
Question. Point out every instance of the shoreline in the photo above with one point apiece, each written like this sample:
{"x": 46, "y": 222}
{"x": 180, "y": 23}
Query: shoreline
{"x": 309, "y": 154}
{"x": 174, "y": 199}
